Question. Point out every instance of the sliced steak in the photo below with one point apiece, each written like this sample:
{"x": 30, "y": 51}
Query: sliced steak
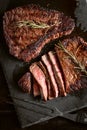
{"x": 25, "y": 82}
{"x": 27, "y": 29}
{"x": 36, "y": 88}
{"x": 51, "y": 94}
{"x": 40, "y": 78}
{"x": 57, "y": 72}
{"x": 72, "y": 74}
{"x": 51, "y": 74}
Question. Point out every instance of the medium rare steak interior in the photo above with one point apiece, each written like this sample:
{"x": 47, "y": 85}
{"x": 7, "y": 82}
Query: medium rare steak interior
{"x": 62, "y": 70}
{"x": 29, "y": 28}
{"x": 40, "y": 78}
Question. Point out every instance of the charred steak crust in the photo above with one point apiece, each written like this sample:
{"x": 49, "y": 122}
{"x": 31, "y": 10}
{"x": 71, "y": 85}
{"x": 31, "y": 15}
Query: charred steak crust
{"x": 25, "y": 42}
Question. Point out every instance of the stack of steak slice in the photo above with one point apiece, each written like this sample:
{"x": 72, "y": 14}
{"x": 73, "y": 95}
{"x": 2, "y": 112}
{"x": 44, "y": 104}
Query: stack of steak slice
{"x": 40, "y": 78}
{"x": 29, "y": 28}
{"x": 57, "y": 73}
{"x": 48, "y": 75}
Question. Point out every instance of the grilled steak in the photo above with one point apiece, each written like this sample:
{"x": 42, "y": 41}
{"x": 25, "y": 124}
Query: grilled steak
{"x": 73, "y": 65}
{"x": 40, "y": 78}
{"x": 27, "y": 29}
{"x": 25, "y": 82}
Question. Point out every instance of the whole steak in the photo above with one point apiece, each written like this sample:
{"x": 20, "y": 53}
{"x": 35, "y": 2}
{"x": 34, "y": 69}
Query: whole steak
{"x": 29, "y": 28}
{"x": 73, "y": 60}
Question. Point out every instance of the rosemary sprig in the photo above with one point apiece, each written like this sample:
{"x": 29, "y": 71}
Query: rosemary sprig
{"x": 31, "y": 24}
{"x": 79, "y": 66}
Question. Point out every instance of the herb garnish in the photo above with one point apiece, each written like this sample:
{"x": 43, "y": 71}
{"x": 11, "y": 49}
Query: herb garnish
{"x": 33, "y": 24}
{"x": 79, "y": 66}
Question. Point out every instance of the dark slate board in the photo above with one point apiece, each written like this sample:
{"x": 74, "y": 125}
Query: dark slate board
{"x": 31, "y": 110}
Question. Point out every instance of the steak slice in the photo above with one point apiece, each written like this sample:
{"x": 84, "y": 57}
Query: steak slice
{"x": 57, "y": 72}
{"x": 73, "y": 76}
{"x": 49, "y": 85}
{"x": 25, "y": 82}
{"x": 36, "y": 88}
{"x": 51, "y": 74}
{"x": 25, "y": 41}
{"x": 40, "y": 78}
